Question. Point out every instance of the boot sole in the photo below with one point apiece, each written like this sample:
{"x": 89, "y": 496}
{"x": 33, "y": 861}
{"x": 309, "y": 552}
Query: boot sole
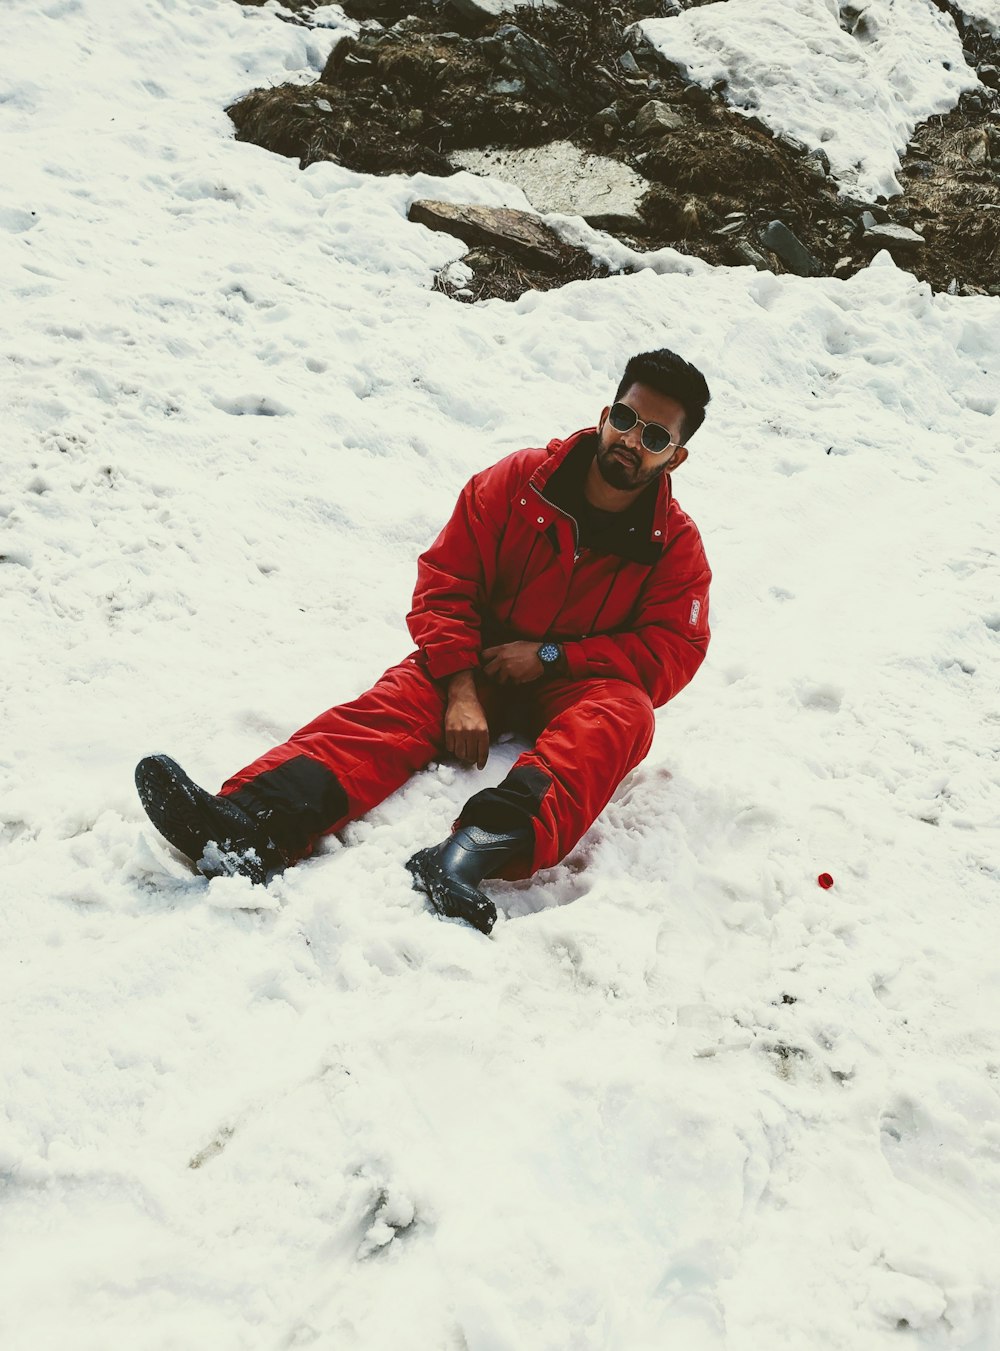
{"x": 181, "y": 812}
{"x": 429, "y": 879}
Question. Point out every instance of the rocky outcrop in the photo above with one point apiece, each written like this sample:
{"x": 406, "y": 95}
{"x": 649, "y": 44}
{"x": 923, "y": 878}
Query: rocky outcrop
{"x": 432, "y": 87}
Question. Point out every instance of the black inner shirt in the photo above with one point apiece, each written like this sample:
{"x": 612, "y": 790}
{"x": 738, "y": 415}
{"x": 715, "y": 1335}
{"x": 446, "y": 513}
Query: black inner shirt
{"x": 608, "y": 532}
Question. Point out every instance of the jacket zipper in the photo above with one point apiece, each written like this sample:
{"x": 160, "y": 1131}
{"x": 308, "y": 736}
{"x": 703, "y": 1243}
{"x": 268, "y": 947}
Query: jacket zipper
{"x": 572, "y": 519}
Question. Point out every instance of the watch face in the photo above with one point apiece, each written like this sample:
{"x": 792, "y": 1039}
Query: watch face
{"x": 547, "y": 653}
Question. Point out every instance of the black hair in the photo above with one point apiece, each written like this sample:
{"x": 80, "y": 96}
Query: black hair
{"x": 667, "y": 373}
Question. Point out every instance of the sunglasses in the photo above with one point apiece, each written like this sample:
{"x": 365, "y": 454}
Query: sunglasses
{"x": 655, "y": 438}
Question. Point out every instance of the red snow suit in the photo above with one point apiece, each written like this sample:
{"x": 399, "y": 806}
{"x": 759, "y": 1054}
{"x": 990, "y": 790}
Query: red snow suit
{"x": 634, "y": 628}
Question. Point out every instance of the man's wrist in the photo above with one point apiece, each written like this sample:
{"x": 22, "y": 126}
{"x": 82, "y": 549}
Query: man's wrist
{"x": 462, "y": 684}
{"x": 552, "y": 657}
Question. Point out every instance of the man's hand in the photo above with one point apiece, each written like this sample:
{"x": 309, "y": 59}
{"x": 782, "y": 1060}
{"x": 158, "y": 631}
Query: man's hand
{"x": 466, "y": 732}
{"x": 513, "y": 663}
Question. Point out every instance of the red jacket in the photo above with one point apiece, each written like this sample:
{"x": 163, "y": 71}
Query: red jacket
{"x": 505, "y": 566}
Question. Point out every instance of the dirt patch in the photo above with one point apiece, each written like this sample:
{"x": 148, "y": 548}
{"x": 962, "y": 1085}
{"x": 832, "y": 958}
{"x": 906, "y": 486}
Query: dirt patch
{"x": 497, "y": 275}
{"x": 422, "y": 81}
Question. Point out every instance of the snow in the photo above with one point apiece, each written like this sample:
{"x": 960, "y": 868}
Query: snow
{"x": 682, "y": 1096}
{"x": 984, "y": 14}
{"x": 854, "y": 81}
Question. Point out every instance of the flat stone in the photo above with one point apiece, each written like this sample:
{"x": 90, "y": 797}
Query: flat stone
{"x": 892, "y": 237}
{"x": 516, "y": 231}
{"x": 656, "y": 117}
{"x": 777, "y": 237}
{"x": 560, "y": 177}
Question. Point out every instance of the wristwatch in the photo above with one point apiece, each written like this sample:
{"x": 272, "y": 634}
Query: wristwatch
{"x": 549, "y": 654}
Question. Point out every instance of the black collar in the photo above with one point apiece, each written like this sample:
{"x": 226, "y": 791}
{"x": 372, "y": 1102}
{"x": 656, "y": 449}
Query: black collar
{"x": 626, "y": 533}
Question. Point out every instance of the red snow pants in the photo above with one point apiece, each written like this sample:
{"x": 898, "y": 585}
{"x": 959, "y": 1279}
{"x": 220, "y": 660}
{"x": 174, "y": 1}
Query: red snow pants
{"x": 587, "y": 735}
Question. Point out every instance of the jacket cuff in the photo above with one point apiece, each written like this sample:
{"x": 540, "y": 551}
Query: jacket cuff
{"x": 443, "y": 664}
{"x": 576, "y": 661}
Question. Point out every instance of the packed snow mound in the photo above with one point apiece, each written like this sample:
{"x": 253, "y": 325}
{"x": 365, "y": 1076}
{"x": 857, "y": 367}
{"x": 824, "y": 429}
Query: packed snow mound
{"x": 985, "y": 14}
{"x": 854, "y": 82}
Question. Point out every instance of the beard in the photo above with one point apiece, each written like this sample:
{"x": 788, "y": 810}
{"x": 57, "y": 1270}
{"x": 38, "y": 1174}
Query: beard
{"x": 624, "y": 474}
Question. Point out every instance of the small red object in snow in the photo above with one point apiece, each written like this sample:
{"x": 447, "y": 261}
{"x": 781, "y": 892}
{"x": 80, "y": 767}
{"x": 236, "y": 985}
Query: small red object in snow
{"x": 825, "y": 881}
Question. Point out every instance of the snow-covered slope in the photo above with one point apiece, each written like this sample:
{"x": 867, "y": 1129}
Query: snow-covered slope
{"x": 852, "y": 80}
{"x": 683, "y": 1096}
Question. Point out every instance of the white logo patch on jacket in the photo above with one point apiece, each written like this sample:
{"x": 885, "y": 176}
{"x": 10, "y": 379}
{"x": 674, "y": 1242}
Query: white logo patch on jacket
{"x": 695, "y": 613}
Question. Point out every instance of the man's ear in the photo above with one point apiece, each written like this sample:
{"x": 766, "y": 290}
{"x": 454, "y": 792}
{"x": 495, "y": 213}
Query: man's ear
{"x": 678, "y": 458}
{"x": 603, "y": 418}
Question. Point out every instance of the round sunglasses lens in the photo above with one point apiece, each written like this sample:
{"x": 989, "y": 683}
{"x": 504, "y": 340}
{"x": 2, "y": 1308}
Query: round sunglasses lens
{"x": 622, "y": 418}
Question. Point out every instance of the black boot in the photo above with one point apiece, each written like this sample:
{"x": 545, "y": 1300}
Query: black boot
{"x": 219, "y": 837}
{"x": 450, "y": 872}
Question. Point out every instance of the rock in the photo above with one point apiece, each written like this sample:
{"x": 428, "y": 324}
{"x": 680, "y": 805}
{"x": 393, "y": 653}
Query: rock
{"x": 919, "y": 168}
{"x": 990, "y": 75}
{"x": 696, "y": 95}
{"x": 853, "y": 206}
{"x": 655, "y": 118}
{"x": 524, "y": 56}
{"x": 607, "y": 123}
{"x": 818, "y": 163}
{"x": 977, "y": 148}
{"x": 749, "y": 254}
{"x": 508, "y": 88}
{"x": 892, "y": 237}
{"x": 516, "y": 232}
{"x": 483, "y": 12}
{"x": 796, "y": 146}
{"x": 609, "y": 114}
{"x": 777, "y": 237}
{"x": 754, "y": 123}
{"x": 560, "y": 177}
{"x": 629, "y": 64}
{"x": 647, "y": 56}
{"x": 372, "y": 9}
{"x": 868, "y": 221}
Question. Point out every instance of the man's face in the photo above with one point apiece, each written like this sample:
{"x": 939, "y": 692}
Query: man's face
{"x": 624, "y": 462}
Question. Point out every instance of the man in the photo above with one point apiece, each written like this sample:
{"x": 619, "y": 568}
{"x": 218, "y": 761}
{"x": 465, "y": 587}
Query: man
{"x": 567, "y": 595}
